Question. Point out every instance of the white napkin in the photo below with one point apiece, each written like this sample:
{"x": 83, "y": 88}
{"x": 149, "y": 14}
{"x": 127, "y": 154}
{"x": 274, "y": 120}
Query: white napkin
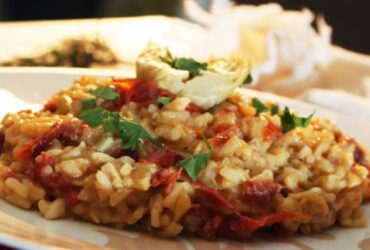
{"x": 282, "y": 45}
{"x": 340, "y": 101}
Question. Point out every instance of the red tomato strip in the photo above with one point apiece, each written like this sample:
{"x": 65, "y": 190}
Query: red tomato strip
{"x": 163, "y": 157}
{"x": 193, "y": 108}
{"x": 272, "y": 131}
{"x": 68, "y": 133}
{"x": 220, "y": 217}
{"x": 259, "y": 192}
{"x": 166, "y": 177}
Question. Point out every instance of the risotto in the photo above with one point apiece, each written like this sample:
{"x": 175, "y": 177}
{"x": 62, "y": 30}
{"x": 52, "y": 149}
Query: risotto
{"x": 131, "y": 153}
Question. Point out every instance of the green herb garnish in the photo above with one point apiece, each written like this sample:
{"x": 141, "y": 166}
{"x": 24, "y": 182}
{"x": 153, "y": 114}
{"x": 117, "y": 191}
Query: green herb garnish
{"x": 290, "y": 121}
{"x": 258, "y": 105}
{"x": 274, "y": 109}
{"x": 162, "y": 100}
{"x": 106, "y": 93}
{"x": 130, "y": 132}
{"x": 94, "y": 117}
{"x": 194, "y": 164}
{"x": 188, "y": 64}
{"x": 248, "y": 79}
{"x": 88, "y": 103}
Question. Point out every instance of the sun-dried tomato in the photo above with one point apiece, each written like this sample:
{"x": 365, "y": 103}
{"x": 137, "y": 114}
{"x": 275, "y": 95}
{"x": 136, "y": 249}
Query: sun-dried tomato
{"x": 193, "y": 108}
{"x": 133, "y": 90}
{"x": 241, "y": 227}
{"x": 70, "y": 196}
{"x": 163, "y": 157}
{"x": 69, "y": 133}
{"x": 360, "y": 156}
{"x": 220, "y": 134}
{"x": 272, "y": 131}
{"x": 2, "y": 141}
{"x": 219, "y": 217}
{"x": 214, "y": 201}
{"x": 166, "y": 177}
{"x": 259, "y": 192}
{"x": 210, "y": 228}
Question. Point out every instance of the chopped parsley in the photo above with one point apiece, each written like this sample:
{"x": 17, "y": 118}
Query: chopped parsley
{"x": 274, "y": 109}
{"x": 258, "y": 105}
{"x": 130, "y": 132}
{"x": 290, "y": 121}
{"x": 248, "y": 79}
{"x": 162, "y": 100}
{"x": 94, "y": 117}
{"x": 88, "y": 103}
{"x": 106, "y": 93}
{"x": 194, "y": 164}
{"x": 188, "y": 64}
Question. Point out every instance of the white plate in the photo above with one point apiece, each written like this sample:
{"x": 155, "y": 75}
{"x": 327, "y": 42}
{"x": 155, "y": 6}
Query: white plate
{"x": 34, "y": 87}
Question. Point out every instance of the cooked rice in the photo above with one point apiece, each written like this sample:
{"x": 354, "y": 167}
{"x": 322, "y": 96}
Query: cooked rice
{"x": 317, "y": 168}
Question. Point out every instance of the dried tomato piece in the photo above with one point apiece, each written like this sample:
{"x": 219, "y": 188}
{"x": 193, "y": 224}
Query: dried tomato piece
{"x": 71, "y": 196}
{"x": 2, "y": 141}
{"x": 241, "y": 227}
{"x": 360, "y": 156}
{"x": 211, "y": 227}
{"x": 214, "y": 201}
{"x": 69, "y": 133}
{"x": 35, "y": 172}
{"x": 166, "y": 177}
{"x": 222, "y": 133}
{"x": 259, "y": 192}
{"x": 193, "y": 108}
{"x": 144, "y": 91}
{"x": 272, "y": 131}
{"x": 163, "y": 157}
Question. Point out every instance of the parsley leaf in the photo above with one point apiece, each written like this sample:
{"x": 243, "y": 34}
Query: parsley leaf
{"x": 248, "y": 79}
{"x": 162, "y": 100}
{"x": 188, "y": 64}
{"x": 94, "y": 117}
{"x": 106, "y": 93}
{"x": 258, "y": 105}
{"x": 88, "y": 103}
{"x": 274, "y": 110}
{"x": 130, "y": 132}
{"x": 194, "y": 164}
{"x": 290, "y": 121}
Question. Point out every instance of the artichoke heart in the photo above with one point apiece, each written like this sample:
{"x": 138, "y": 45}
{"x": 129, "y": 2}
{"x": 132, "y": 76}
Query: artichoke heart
{"x": 211, "y": 83}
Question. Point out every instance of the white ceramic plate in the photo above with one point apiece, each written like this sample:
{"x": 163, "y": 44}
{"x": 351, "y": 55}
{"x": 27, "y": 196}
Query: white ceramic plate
{"x": 33, "y": 87}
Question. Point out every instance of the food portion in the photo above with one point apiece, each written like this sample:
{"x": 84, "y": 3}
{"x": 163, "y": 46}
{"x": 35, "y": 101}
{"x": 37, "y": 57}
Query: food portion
{"x": 187, "y": 77}
{"x": 71, "y": 52}
{"x": 137, "y": 153}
